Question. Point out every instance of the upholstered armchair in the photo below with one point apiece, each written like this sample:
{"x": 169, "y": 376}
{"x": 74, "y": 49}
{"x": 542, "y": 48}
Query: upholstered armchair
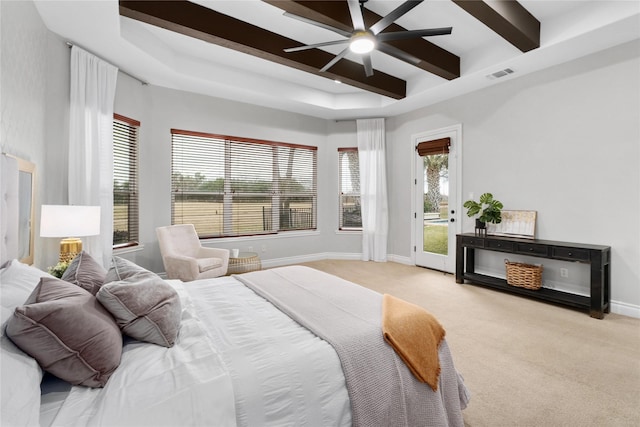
{"x": 185, "y": 258}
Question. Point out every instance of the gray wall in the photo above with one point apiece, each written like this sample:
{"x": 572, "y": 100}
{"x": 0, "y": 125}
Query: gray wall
{"x": 564, "y": 142}
{"x": 160, "y": 109}
{"x": 34, "y": 99}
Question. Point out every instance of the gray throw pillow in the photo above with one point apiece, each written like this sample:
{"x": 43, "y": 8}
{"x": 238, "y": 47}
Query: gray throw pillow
{"x": 85, "y": 272}
{"x": 145, "y": 307}
{"x": 68, "y": 332}
{"x": 122, "y": 268}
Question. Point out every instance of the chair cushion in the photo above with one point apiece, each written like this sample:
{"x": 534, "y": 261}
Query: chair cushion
{"x": 206, "y": 264}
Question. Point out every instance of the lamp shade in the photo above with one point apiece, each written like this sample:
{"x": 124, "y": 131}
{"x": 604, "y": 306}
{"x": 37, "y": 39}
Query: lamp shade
{"x": 69, "y": 221}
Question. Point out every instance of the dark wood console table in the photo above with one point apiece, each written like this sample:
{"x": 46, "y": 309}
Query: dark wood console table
{"x": 599, "y": 257}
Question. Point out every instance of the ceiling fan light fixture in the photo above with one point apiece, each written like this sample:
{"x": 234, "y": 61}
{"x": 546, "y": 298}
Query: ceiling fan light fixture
{"x": 362, "y": 42}
{"x": 364, "y": 39}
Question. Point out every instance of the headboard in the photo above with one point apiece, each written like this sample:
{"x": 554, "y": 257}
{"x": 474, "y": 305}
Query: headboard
{"x": 9, "y": 209}
{"x": 17, "y": 210}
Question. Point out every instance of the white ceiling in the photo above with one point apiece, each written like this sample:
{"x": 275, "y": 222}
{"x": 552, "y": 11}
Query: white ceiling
{"x": 569, "y": 29}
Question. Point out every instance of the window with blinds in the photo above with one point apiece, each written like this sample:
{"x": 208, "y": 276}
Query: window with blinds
{"x": 125, "y": 181}
{"x": 230, "y": 186}
{"x": 350, "y": 213}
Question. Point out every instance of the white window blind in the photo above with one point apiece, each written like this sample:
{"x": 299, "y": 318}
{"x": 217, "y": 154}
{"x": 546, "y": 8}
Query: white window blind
{"x": 125, "y": 181}
{"x": 231, "y": 186}
{"x": 350, "y": 214}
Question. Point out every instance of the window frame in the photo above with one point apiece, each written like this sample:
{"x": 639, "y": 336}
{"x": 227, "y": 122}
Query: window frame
{"x": 272, "y": 223}
{"x": 342, "y": 195}
{"x": 133, "y": 207}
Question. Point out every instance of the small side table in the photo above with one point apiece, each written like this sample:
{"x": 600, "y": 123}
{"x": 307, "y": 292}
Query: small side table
{"x": 244, "y": 263}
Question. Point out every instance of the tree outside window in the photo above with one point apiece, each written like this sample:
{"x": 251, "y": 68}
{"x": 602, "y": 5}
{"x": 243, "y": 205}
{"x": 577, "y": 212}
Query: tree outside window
{"x": 125, "y": 181}
{"x": 350, "y": 210}
{"x": 232, "y": 186}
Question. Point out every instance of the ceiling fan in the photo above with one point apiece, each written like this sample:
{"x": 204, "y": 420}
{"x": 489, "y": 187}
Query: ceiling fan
{"x": 363, "y": 40}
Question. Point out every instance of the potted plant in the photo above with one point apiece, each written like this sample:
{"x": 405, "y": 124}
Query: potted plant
{"x": 58, "y": 269}
{"x": 489, "y": 209}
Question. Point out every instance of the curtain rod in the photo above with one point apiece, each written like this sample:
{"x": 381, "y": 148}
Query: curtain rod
{"x": 143, "y": 82}
{"x": 359, "y": 118}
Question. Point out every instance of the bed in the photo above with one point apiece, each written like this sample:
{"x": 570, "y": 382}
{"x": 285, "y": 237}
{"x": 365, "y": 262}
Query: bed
{"x": 240, "y": 356}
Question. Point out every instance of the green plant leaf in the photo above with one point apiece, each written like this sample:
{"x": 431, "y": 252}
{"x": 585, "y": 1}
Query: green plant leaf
{"x": 486, "y": 198}
{"x": 491, "y": 213}
{"x": 473, "y": 207}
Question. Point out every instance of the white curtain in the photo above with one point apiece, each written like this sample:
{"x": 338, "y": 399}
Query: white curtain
{"x": 93, "y": 89}
{"x": 373, "y": 189}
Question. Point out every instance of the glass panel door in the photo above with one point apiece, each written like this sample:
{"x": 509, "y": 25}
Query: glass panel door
{"x": 436, "y": 202}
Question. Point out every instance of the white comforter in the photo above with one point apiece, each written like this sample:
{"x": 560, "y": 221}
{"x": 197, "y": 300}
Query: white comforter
{"x": 238, "y": 361}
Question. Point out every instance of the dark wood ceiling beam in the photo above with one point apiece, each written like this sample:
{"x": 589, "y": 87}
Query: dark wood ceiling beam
{"x": 434, "y": 59}
{"x": 205, "y": 24}
{"x": 509, "y": 19}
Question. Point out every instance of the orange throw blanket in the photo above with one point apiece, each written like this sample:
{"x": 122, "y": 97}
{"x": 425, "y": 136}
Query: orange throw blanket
{"x": 415, "y": 335}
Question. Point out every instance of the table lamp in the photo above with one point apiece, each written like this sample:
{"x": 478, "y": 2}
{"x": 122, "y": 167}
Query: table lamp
{"x": 66, "y": 221}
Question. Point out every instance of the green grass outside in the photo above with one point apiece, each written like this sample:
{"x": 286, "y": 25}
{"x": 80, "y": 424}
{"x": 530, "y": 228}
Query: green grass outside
{"x": 207, "y": 217}
{"x": 435, "y": 236}
{"x": 436, "y": 239}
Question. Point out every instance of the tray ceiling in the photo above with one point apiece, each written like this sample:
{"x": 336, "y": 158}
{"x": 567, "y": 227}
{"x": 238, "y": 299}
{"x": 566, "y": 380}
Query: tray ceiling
{"x": 235, "y": 49}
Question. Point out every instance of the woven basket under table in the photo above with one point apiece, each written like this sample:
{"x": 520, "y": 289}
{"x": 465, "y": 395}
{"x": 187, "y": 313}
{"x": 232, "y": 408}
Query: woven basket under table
{"x": 523, "y": 275}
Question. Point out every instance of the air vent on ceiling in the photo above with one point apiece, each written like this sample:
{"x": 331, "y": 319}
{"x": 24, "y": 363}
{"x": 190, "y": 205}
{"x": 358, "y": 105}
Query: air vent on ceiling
{"x": 500, "y": 73}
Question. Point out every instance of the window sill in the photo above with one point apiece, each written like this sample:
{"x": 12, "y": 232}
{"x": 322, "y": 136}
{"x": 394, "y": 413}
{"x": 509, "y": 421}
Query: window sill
{"x": 282, "y": 235}
{"x": 128, "y": 249}
{"x": 347, "y": 232}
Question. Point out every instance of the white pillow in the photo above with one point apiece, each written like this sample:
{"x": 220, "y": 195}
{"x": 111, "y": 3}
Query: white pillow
{"x": 20, "y": 373}
{"x": 20, "y": 386}
{"x": 17, "y": 281}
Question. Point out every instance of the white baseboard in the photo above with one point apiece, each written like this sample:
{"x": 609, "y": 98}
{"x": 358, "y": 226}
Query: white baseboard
{"x": 616, "y": 306}
{"x": 625, "y": 309}
{"x": 329, "y": 255}
{"x": 400, "y": 259}
{"x": 279, "y": 262}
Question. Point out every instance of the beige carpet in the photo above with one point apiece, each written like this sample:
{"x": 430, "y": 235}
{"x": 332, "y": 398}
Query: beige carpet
{"x": 526, "y": 363}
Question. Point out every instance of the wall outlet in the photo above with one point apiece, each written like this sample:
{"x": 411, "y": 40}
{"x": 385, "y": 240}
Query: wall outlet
{"x": 264, "y": 248}
{"x": 564, "y": 272}
{"x": 250, "y": 248}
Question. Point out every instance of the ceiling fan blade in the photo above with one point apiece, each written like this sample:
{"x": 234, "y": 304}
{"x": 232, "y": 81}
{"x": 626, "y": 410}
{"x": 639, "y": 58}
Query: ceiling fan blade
{"x": 336, "y": 59}
{"x": 393, "y": 15}
{"x": 313, "y": 46}
{"x": 409, "y": 34}
{"x": 397, "y": 53}
{"x": 318, "y": 24}
{"x": 356, "y": 14}
{"x": 366, "y": 61}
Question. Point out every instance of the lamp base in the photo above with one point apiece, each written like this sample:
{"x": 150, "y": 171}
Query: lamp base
{"x": 69, "y": 248}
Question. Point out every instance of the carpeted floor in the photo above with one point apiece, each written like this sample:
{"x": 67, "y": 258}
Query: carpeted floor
{"x": 526, "y": 363}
